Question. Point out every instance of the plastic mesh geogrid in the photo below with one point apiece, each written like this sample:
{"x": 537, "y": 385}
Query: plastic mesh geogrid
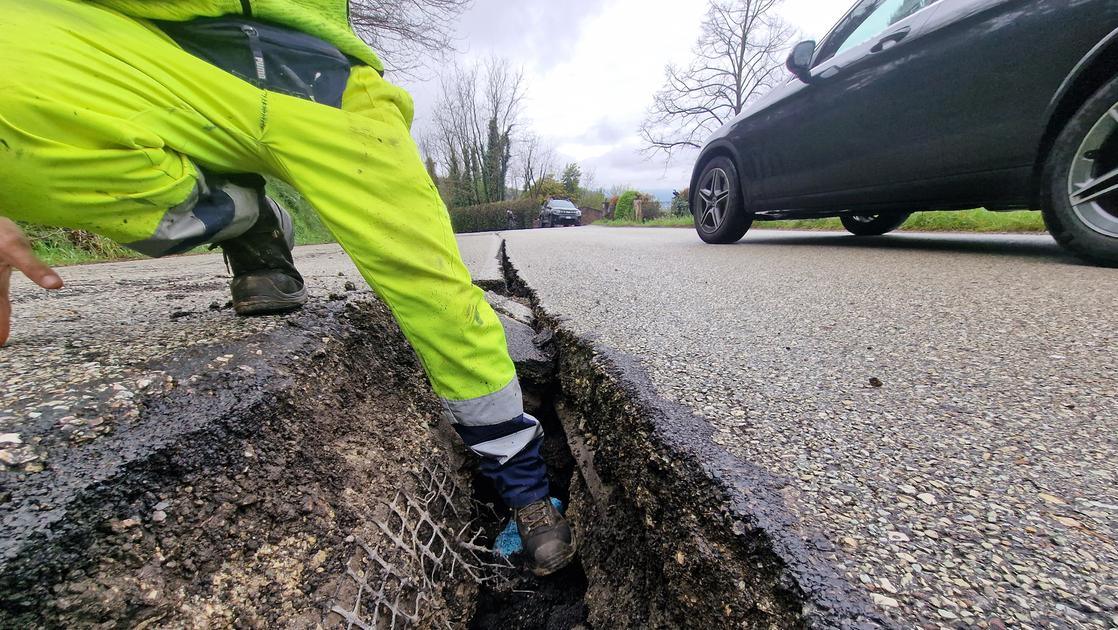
{"x": 420, "y": 553}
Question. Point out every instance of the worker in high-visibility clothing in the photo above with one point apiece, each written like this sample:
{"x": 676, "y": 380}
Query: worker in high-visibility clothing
{"x": 139, "y": 119}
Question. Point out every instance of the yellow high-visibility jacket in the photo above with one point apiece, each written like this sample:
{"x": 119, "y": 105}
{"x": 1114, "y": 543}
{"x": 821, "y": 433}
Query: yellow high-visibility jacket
{"x": 325, "y": 19}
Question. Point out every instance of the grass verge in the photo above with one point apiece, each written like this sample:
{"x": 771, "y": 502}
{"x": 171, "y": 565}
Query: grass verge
{"x": 981, "y": 221}
{"x": 59, "y": 247}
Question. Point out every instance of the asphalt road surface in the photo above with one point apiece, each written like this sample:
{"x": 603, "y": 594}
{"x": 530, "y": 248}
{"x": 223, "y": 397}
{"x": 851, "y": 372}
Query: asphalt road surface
{"x": 943, "y": 408}
{"x": 83, "y": 350}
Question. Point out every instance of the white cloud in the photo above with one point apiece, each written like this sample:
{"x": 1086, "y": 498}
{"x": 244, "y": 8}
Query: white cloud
{"x": 592, "y": 67}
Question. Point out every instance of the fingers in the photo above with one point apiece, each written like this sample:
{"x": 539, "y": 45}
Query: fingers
{"x": 5, "y": 304}
{"x": 24, "y": 259}
{"x": 16, "y": 252}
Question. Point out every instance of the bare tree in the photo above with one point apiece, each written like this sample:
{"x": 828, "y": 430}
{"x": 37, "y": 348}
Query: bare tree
{"x": 535, "y": 162}
{"x": 737, "y": 59}
{"x": 589, "y": 178}
{"x": 406, "y": 33}
{"x": 474, "y": 127}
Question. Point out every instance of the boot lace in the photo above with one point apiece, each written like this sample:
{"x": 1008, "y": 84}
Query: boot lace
{"x": 537, "y": 515}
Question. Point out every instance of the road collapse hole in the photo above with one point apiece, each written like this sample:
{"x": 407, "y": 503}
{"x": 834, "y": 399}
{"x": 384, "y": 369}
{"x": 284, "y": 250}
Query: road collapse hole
{"x": 526, "y": 602}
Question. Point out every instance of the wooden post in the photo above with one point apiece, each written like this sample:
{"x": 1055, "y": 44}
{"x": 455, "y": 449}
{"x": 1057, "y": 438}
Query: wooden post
{"x": 638, "y": 210}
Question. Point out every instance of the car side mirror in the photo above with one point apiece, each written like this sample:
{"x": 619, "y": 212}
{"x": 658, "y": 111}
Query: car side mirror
{"x": 799, "y": 62}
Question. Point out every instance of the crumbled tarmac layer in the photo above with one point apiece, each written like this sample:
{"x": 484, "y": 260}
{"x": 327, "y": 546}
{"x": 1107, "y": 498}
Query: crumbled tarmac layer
{"x": 208, "y": 471}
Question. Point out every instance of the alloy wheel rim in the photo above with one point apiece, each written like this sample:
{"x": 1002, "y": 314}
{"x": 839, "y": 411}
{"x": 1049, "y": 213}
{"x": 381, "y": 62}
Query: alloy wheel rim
{"x": 864, "y": 218}
{"x": 1093, "y": 180}
{"x": 715, "y": 196}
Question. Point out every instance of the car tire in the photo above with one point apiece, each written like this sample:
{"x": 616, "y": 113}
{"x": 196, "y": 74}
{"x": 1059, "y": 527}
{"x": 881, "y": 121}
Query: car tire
{"x": 1085, "y": 149}
{"x": 873, "y": 224}
{"x": 720, "y": 216}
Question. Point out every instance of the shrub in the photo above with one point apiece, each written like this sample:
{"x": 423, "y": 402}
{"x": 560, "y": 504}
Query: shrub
{"x": 59, "y": 246}
{"x": 651, "y": 208}
{"x": 494, "y": 216}
{"x": 681, "y": 203}
{"x": 624, "y": 210}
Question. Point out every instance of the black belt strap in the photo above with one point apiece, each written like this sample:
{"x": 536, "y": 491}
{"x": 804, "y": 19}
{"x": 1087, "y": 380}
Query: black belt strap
{"x": 246, "y": 7}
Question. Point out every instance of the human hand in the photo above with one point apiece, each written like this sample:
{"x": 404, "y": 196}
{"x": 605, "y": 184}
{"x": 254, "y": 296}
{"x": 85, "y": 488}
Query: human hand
{"x": 15, "y": 252}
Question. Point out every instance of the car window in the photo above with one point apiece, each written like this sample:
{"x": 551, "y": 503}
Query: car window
{"x": 877, "y": 16}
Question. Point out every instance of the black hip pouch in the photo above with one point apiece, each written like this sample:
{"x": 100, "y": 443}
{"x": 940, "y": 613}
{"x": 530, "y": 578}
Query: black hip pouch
{"x": 270, "y": 57}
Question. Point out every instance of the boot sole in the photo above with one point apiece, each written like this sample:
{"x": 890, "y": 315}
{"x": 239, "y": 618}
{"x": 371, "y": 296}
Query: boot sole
{"x": 559, "y": 563}
{"x": 272, "y": 305}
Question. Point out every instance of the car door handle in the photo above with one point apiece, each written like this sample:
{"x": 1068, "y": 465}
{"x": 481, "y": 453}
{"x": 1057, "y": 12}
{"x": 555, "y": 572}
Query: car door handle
{"x": 890, "y": 40}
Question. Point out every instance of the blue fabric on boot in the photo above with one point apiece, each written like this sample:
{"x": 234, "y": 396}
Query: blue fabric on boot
{"x": 508, "y": 542}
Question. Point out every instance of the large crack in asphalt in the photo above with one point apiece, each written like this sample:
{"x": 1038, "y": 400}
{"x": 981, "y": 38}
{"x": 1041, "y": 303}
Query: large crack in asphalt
{"x": 674, "y": 532}
{"x": 324, "y": 490}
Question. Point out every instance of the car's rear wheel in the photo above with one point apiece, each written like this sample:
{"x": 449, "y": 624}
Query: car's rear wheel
{"x": 872, "y": 224}
{"x": 1081, "y": 181}
{"x": 720, "y": 216}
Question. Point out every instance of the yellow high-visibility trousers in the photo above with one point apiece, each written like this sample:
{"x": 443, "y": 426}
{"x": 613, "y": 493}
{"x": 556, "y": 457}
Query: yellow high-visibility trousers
{"x": 103, "y": 119}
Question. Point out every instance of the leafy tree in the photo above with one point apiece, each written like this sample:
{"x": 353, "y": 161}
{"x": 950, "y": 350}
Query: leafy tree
{"x": 550, "y": 187}
{"x": 681, "y": 203}
{"x": 572, "y": 176}
{"x": 593, "y": 199}
{"x": 432, "y": 170}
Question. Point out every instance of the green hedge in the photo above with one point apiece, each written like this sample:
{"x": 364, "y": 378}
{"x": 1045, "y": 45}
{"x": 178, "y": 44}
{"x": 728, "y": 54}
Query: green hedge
{"x": 309, "y": 228}
{"x": 491, "y": 217}
{"x": 625, "y": 210}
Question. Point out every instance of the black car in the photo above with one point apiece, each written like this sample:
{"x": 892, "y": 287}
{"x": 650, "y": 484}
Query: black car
{"x": 560, "y": 212}
{"x": 912, "y": 105}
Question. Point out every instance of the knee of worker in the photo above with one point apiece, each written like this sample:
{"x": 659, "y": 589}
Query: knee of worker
{"x": 215, "y": 211}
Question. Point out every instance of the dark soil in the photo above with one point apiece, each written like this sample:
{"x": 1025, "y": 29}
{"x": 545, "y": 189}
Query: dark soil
{"x": 249, "y": 519}
{"x": 553, "y": 603}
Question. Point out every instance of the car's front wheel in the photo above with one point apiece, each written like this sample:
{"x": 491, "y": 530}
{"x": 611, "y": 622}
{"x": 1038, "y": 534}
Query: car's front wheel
{"x": 720, "y": 216}
{"x": 1081, "y": 181}
{"x": 872, "y": 224}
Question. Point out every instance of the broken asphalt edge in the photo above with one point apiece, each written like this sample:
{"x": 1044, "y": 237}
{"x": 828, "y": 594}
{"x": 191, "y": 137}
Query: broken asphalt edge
{"x": 234, "y": 450}
{"x": 696, "y": 537}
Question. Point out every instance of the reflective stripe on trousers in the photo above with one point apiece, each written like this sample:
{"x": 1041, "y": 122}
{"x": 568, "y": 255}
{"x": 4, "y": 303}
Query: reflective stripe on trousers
{"x": 209, "y": 215}
{"x": 508, "y": 441}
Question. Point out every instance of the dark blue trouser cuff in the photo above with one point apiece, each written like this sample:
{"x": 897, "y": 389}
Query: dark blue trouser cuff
{"x": 522, "y": 480}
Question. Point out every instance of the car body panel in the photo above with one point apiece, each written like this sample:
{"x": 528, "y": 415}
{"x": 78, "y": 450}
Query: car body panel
{"x": 945, "y": 118}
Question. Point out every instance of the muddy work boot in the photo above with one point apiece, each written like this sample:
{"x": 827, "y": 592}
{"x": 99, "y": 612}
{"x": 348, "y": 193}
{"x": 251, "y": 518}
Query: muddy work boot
{"x": 265, "y": 281}
{"x": 547, "y": 537}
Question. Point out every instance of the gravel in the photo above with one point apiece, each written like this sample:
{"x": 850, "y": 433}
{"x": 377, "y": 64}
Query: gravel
{"x": 78, "y": 359}
{"x": 941, "y": 407}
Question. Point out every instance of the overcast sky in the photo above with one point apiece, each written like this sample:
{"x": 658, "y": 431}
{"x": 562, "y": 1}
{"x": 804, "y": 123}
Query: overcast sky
{"x": 592, "y": 67}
